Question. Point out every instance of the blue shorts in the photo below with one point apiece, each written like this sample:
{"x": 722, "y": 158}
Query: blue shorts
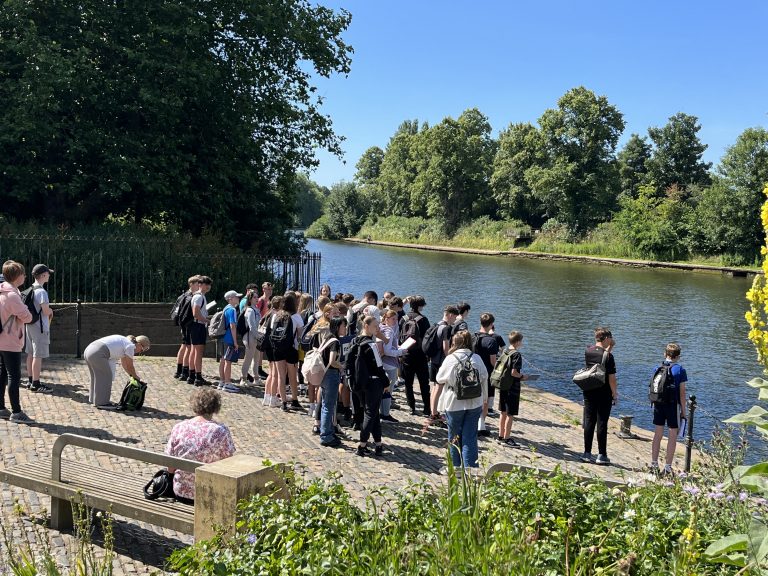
{"x": 231, "y": 354}
{"x": 666, "y": 414}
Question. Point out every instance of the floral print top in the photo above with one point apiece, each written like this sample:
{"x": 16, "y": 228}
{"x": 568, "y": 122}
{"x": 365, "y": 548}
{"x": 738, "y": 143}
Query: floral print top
{"x": 197, "y": 439}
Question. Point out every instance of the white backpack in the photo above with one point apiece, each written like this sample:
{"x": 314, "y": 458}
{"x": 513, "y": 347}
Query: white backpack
{"x": 313, "y": 368}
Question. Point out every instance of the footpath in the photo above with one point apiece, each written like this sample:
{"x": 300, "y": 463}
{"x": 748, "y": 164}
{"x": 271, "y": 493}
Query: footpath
{"x": 727, "y": 270}
{"x": 549, "y": 429}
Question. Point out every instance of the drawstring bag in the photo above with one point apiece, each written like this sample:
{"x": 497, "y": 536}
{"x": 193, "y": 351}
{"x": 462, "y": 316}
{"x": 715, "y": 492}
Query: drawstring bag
{"x": 161, "y": 486}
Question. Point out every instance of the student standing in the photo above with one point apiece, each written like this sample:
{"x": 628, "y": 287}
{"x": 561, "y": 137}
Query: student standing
{"x": 184, "y": 354}
{"x": 509, "y": 400}
{"x": 415, "y": 363}
{"x": 198, "y": 332}
{"x": 598, "y": 402}
{"x": 443, "y": 336}
{"x": 13, "y": 316}
{"x": 38, "y": 334}
{"x": 667, "y": 410}
{"x": 487, "y": 347}
{"x": 229, "y": 340}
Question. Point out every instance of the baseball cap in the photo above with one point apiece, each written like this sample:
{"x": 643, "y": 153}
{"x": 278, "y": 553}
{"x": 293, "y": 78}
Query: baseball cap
{"x": 41, "y": 269}
{"x": 232, "y": 294}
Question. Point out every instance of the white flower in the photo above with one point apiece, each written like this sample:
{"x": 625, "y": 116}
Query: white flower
{"x": 633, "y": 497}
{"x": 629, "y": 514}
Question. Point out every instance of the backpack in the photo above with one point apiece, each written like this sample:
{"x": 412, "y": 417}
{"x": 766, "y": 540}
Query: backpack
{"x": 465, "y": 380}
{"x": 350, "y": 366}
{"x": 410, "y": 328}
{"x": 432, "y": 344}
{"x": 218, "y": 326}
{"x": 28, "y": 297}
{"x": 242, "y": 326}
{"x": 182, "y": 310}
{"x": 501, "y": 377}
{"x": 280, "y": 336}
{"x": 477, "y": 337}
{"x": 662, "y": 385}
{"x": 593, "y": 377}
{"x": 314, "y": 368}
{"x": 133, "y": 395}
{"x": 305, "y": 342}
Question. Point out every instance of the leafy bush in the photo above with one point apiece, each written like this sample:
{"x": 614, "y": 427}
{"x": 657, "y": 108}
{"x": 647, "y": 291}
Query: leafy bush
{"x": 537, "y": 525}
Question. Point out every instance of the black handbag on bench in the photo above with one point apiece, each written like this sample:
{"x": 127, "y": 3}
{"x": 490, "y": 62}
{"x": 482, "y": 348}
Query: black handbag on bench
{"x": 161, "y": 486}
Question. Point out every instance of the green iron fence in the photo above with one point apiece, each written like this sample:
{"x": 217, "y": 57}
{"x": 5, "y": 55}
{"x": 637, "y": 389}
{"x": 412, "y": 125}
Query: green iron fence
{"x": 126, "y": 269}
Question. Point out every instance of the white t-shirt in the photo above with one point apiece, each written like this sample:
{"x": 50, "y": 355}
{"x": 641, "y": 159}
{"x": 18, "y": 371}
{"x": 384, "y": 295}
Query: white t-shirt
{"x": 119, "y": 346}
{"x": 298, "y": 328}
{"x": 41, "y": 297}
{"x": 199, "y": 300}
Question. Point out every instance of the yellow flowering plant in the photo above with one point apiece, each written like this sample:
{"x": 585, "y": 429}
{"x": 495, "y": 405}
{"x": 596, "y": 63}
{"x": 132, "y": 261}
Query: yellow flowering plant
{"x": 751, "y": 549}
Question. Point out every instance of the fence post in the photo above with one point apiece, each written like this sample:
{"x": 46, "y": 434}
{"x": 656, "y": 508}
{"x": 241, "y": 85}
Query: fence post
{"x": 689, "y": 433}
{"x": 78, "y": 309}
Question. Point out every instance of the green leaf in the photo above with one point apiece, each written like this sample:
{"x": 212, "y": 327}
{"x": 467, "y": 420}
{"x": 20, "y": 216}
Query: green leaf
{"x": 758, "y": 540}
{"x": 753, "y": 416}
{"x": 763, "y": 394}
{"x": 731, "y": 543}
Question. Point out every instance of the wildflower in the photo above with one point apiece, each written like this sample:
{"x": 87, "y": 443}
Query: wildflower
{"x": 689, "y": 534}
{"x": 692, "y": 490}
{"x": 629, "y": 514}
{"x": 715, "y": 495}
{"x": 682, "y": 475}
{"x": 743, "y": 496}
{"x": 251, "y": 539}
{"x": 633, "y": 498}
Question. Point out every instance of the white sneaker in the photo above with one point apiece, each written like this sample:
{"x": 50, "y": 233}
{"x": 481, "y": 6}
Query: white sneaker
{"x": 267, "y": 400}
{"x": 276, "y": 402}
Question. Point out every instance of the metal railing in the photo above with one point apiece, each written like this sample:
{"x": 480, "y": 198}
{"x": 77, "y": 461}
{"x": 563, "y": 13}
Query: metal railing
{"x": 128, "y": 269}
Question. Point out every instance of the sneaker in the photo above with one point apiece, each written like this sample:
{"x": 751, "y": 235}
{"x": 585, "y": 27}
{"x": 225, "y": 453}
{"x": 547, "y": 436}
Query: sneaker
{"x": 108, "y": 406}
{"x": 587, "y": 458}
{"x": 263, "y": 375}
{"x": 603, "y": 460}
{"x": 230, "y": 388}
{"x": 285, "y": 406}
{"x": 500, "y": 440}
{"x": 394, "y": 406}
{"x": 511, "y": 443}
{"x": 19, "y": 417}
{"x": 192, "y": 381}
{"x": 275, "y": 402}
{"x": 491, "y": 412}
{"x": 484, "y": 433}
{"x": 389, "y": 418}
{"x": 653, "y": 468}
{"x": 250, "y": 378}
{"x": 42, "y": 388}
{"x": 335, "y": 443}
{"x": 667, "y": 470}
{"x": 378, "y": 450}
{"x": 362, "y": 450}
{"x": 316, "y": 430}
{"x": 5, "y": 413}
{"x": 295, "y": 405}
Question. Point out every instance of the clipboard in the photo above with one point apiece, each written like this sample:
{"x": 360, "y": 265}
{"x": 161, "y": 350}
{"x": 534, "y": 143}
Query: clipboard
{"x": 407, "y": 344}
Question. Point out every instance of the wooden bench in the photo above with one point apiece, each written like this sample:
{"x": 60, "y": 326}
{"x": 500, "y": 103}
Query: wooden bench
{"x": 117, "y": 492}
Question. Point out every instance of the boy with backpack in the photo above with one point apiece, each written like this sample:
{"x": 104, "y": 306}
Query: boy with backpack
{"x": 182, "y": 317}
{"x": 38, "y": 331}
{"x": 436, "y": 343}
{"x": 667, "y": 393}
{"x": 415, "y": 363}
{"x": 231, "y": 346}
{"x": 197, "y": 331}
{"x": 506, "y": 377}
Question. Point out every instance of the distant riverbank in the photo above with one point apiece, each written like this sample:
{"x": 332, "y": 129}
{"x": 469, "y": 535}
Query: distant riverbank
{"x": 693, "y": 267}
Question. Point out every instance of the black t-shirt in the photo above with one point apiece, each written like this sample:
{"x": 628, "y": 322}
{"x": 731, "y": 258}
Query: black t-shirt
{"x": 594, "y": 355}
{"x": 485, "y": 347}
{"x": 422, "y": 324}
{"x": 332, "y": 347}
{"x": 444, "y": 333}
{"x": 516, "y": 363}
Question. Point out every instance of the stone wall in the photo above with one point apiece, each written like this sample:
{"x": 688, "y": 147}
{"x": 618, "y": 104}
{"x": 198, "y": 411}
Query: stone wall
{"x": 100, "y": 319}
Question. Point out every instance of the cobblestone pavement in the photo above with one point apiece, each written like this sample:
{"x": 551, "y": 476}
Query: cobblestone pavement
{"x": 548, "y": 427}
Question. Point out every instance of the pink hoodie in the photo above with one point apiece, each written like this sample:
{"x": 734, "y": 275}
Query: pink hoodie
{"x": 13, "y": 315}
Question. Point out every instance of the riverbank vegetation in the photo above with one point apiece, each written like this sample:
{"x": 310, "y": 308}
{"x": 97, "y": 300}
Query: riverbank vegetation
{"x": 655, "y": 198}
{"x": 537, "y": 525}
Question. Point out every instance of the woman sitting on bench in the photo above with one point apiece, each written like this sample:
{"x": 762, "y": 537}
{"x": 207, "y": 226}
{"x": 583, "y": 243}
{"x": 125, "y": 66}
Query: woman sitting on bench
{"x": 199, "y": 438}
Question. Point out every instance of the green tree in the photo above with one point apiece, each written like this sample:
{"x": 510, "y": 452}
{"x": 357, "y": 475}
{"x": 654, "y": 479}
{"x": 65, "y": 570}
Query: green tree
{"x": 633, "y": 167}
{"x": 677, "y": 152}
{"x": 519, "y": 149}
{"x": 188, "y": 114}
{"x": 578, "y": 183}
{"x": 728, "y": 213}
{"x": 309, "y": 199}
{"x": 367, "y": 180}
{"x": 453, "y": 168}
{"x": 655, "y": 225}
{"x": 344, "y": 211}
{"x": 397, "y": 173}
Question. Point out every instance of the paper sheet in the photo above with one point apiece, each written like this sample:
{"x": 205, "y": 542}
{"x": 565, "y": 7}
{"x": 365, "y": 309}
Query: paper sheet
{"x": 407, "y": 344}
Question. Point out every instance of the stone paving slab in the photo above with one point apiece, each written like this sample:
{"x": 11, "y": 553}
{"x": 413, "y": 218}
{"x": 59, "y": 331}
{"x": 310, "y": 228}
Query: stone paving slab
{"x": 548, "y": 427}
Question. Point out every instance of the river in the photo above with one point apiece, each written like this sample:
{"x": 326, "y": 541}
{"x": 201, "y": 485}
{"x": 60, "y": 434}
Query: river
{"x": 556, "y": 305}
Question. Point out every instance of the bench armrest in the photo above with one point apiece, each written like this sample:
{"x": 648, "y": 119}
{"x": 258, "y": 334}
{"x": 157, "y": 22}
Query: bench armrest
{"x": 117, "y": 450}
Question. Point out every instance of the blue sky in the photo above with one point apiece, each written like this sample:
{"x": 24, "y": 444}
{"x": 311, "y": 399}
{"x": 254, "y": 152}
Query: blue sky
{"x": 429, "y": 59}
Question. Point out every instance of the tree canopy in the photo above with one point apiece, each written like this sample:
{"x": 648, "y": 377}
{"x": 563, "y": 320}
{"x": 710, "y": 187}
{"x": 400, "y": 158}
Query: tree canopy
{"x": 191, "y": 114}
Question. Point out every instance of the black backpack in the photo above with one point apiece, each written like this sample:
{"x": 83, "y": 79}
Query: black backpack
{"x": 306, "y": 337}
{"x": 181, "y": 314}
{"x": 28, "y": 297}
{"x": 466, "y": 381}
{"x": 242, "y": 326}
{"x": 409, "y": 328}
{"x": 281, "y": 336}
{"x": 662, "y": 385}
{"x": 432, "y": 344}
{"x": 133, "y": 395}
{"x": 352, "y": 367}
